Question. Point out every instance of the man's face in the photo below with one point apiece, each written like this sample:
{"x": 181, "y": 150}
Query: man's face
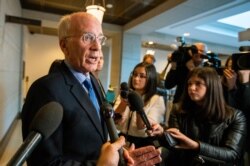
{"x": 100, "y": 62}
{"x": 197, "y": 58}
{"x": 80, "y": 52}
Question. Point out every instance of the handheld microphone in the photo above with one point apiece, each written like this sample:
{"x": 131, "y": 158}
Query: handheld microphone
{"x": 136, "y": 104}
{"x": 43, "y": 125}
{"x": 166, "y": 139}
{"x": 124, "y": 90}
{"x": 108, "y": 113}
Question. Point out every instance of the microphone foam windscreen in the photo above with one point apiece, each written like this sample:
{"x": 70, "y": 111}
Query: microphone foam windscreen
{"x": 135, "y": 101}
{"x": 47, "y": 119}
{"x": 124, "y": 86}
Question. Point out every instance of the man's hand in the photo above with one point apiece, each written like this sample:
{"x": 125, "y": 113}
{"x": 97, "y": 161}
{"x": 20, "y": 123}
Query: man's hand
{"x": 145, "y": 156}
{"x": 109, "y": 153}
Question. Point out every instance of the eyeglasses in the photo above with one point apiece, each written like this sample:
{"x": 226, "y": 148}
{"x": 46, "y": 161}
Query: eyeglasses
{"x": 89, "y": 38}
{"x": 140, "y": 75}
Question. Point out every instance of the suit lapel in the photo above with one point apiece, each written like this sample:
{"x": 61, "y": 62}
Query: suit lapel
{"x": 83, "y": 99}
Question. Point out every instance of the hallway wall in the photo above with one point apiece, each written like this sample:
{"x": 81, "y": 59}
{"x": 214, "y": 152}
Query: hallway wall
{"x": 10, "y": 66}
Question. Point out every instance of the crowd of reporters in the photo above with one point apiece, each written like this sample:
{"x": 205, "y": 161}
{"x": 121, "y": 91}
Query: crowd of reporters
{"x": 207, "y": 124}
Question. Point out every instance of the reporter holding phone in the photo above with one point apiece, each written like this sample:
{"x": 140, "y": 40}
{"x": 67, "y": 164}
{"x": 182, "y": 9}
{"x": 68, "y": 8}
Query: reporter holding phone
{"x": 208, "y": 131}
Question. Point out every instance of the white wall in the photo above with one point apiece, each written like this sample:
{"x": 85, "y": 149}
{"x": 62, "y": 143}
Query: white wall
{"x": 40, "y": 52}
{"x": 10, "y": 64}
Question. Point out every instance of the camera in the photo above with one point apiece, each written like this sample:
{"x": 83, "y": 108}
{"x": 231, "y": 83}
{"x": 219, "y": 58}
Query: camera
{"x": 241, "y": 61}
{"x": 213, "y": 61}
{"x": 184, "y": 53}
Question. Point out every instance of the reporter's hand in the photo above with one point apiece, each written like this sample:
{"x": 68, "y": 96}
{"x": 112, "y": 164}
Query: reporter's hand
{"x": 229, "y": 79}
{"x": 157, "y": 130}
{"x": 109, "y": 153}
{"x": 147, "y": 155}
{"x": 184, "y": 142}
{"x": 244, "y": 76}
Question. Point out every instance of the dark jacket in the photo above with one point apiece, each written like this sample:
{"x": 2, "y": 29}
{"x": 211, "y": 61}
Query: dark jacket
{"x": 177, "y": 78}
{"x": 220, "y": 143}
{"x": 79, "y": 137}
{"x": 239, "y": 98}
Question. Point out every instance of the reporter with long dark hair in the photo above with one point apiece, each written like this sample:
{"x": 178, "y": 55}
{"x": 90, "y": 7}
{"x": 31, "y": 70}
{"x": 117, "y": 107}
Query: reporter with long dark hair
{"x": 208, "y": 131}
{"x": 143, "y": 81}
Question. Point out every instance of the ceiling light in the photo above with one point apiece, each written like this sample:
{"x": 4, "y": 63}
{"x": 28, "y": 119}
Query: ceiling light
{"x": 96, "y": 10}
{"x": 109, "y": 6}
{"x": 150, "y": 42}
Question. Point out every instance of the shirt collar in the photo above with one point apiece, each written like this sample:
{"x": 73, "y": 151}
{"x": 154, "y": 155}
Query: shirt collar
{"x": 78, "y": 75}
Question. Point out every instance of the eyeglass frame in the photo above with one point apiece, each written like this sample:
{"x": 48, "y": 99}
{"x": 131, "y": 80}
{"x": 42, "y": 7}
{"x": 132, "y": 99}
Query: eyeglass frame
{"x": 101, "y": 38}
{"x": 141, "y": 75}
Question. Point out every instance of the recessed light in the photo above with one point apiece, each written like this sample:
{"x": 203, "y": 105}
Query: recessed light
{"x": 150, "y": 42}
{"x": 109, "y": 6}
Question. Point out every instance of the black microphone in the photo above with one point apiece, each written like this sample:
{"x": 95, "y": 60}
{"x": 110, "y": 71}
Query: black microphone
{"x": 136, "y": 104}
{"x": 43, "y": 125}
{"x": 124, "y": 90}
{"x": 108, "y": 114}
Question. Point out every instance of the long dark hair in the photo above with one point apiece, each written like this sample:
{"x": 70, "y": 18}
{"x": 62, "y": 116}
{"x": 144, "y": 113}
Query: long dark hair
{"x": 214, "y": 107}
{"x": 151, "y": 80}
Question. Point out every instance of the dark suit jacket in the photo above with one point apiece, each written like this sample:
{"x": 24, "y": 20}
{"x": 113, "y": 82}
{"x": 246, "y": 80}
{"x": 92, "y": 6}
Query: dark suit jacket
{"x": 79, "y": 138}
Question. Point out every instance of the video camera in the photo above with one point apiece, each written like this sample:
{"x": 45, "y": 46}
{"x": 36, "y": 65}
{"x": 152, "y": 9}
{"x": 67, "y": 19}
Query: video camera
{"x": 214, "y": 61}
{"x": 241, "y": 61}
{"x": 184, "y": 52}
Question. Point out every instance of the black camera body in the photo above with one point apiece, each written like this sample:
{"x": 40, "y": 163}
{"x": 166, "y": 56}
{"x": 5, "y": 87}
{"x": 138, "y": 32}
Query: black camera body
{"x": 183, "y": 54}
{"x": 214, "y": 61}
{"x": 241, "y": 61}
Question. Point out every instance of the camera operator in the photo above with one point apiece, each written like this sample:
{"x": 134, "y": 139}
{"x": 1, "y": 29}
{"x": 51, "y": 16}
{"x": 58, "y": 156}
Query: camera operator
{"x": 182, "y": 61}
{"x": 236, "y": 88}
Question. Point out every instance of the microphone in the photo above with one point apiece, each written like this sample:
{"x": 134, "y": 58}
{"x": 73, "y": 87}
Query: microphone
{"x": 108, "y": 114}
{"x": 136, "y": 104}
{"x": 124, "y": 90}
{"x": 43, "y": 125}
{"x": 166, "y": 140}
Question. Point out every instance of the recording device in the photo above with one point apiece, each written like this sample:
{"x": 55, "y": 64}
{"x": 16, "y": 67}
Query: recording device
{"x": 183, "y": 53}
{"x": 44, "y": 124}
{"x": 166, "y": 140}
{"x": 213, "y": 61}
{"x": 124, "y": 90}
{"x": 241, "y": 61}
{"x": 136, "y": 104}
{"x": 108, "y": 114}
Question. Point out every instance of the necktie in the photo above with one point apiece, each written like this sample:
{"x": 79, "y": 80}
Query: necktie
{"x": 88, "y": 86}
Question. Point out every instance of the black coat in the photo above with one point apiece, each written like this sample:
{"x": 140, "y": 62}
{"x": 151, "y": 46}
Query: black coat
{"x": 220, "y": 143}
{"x": 239, "y": 98}
{"x": 80, "y": 135}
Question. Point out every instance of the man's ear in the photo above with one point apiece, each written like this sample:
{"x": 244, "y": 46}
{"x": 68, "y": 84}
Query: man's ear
{"x": 63, "y": 45}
